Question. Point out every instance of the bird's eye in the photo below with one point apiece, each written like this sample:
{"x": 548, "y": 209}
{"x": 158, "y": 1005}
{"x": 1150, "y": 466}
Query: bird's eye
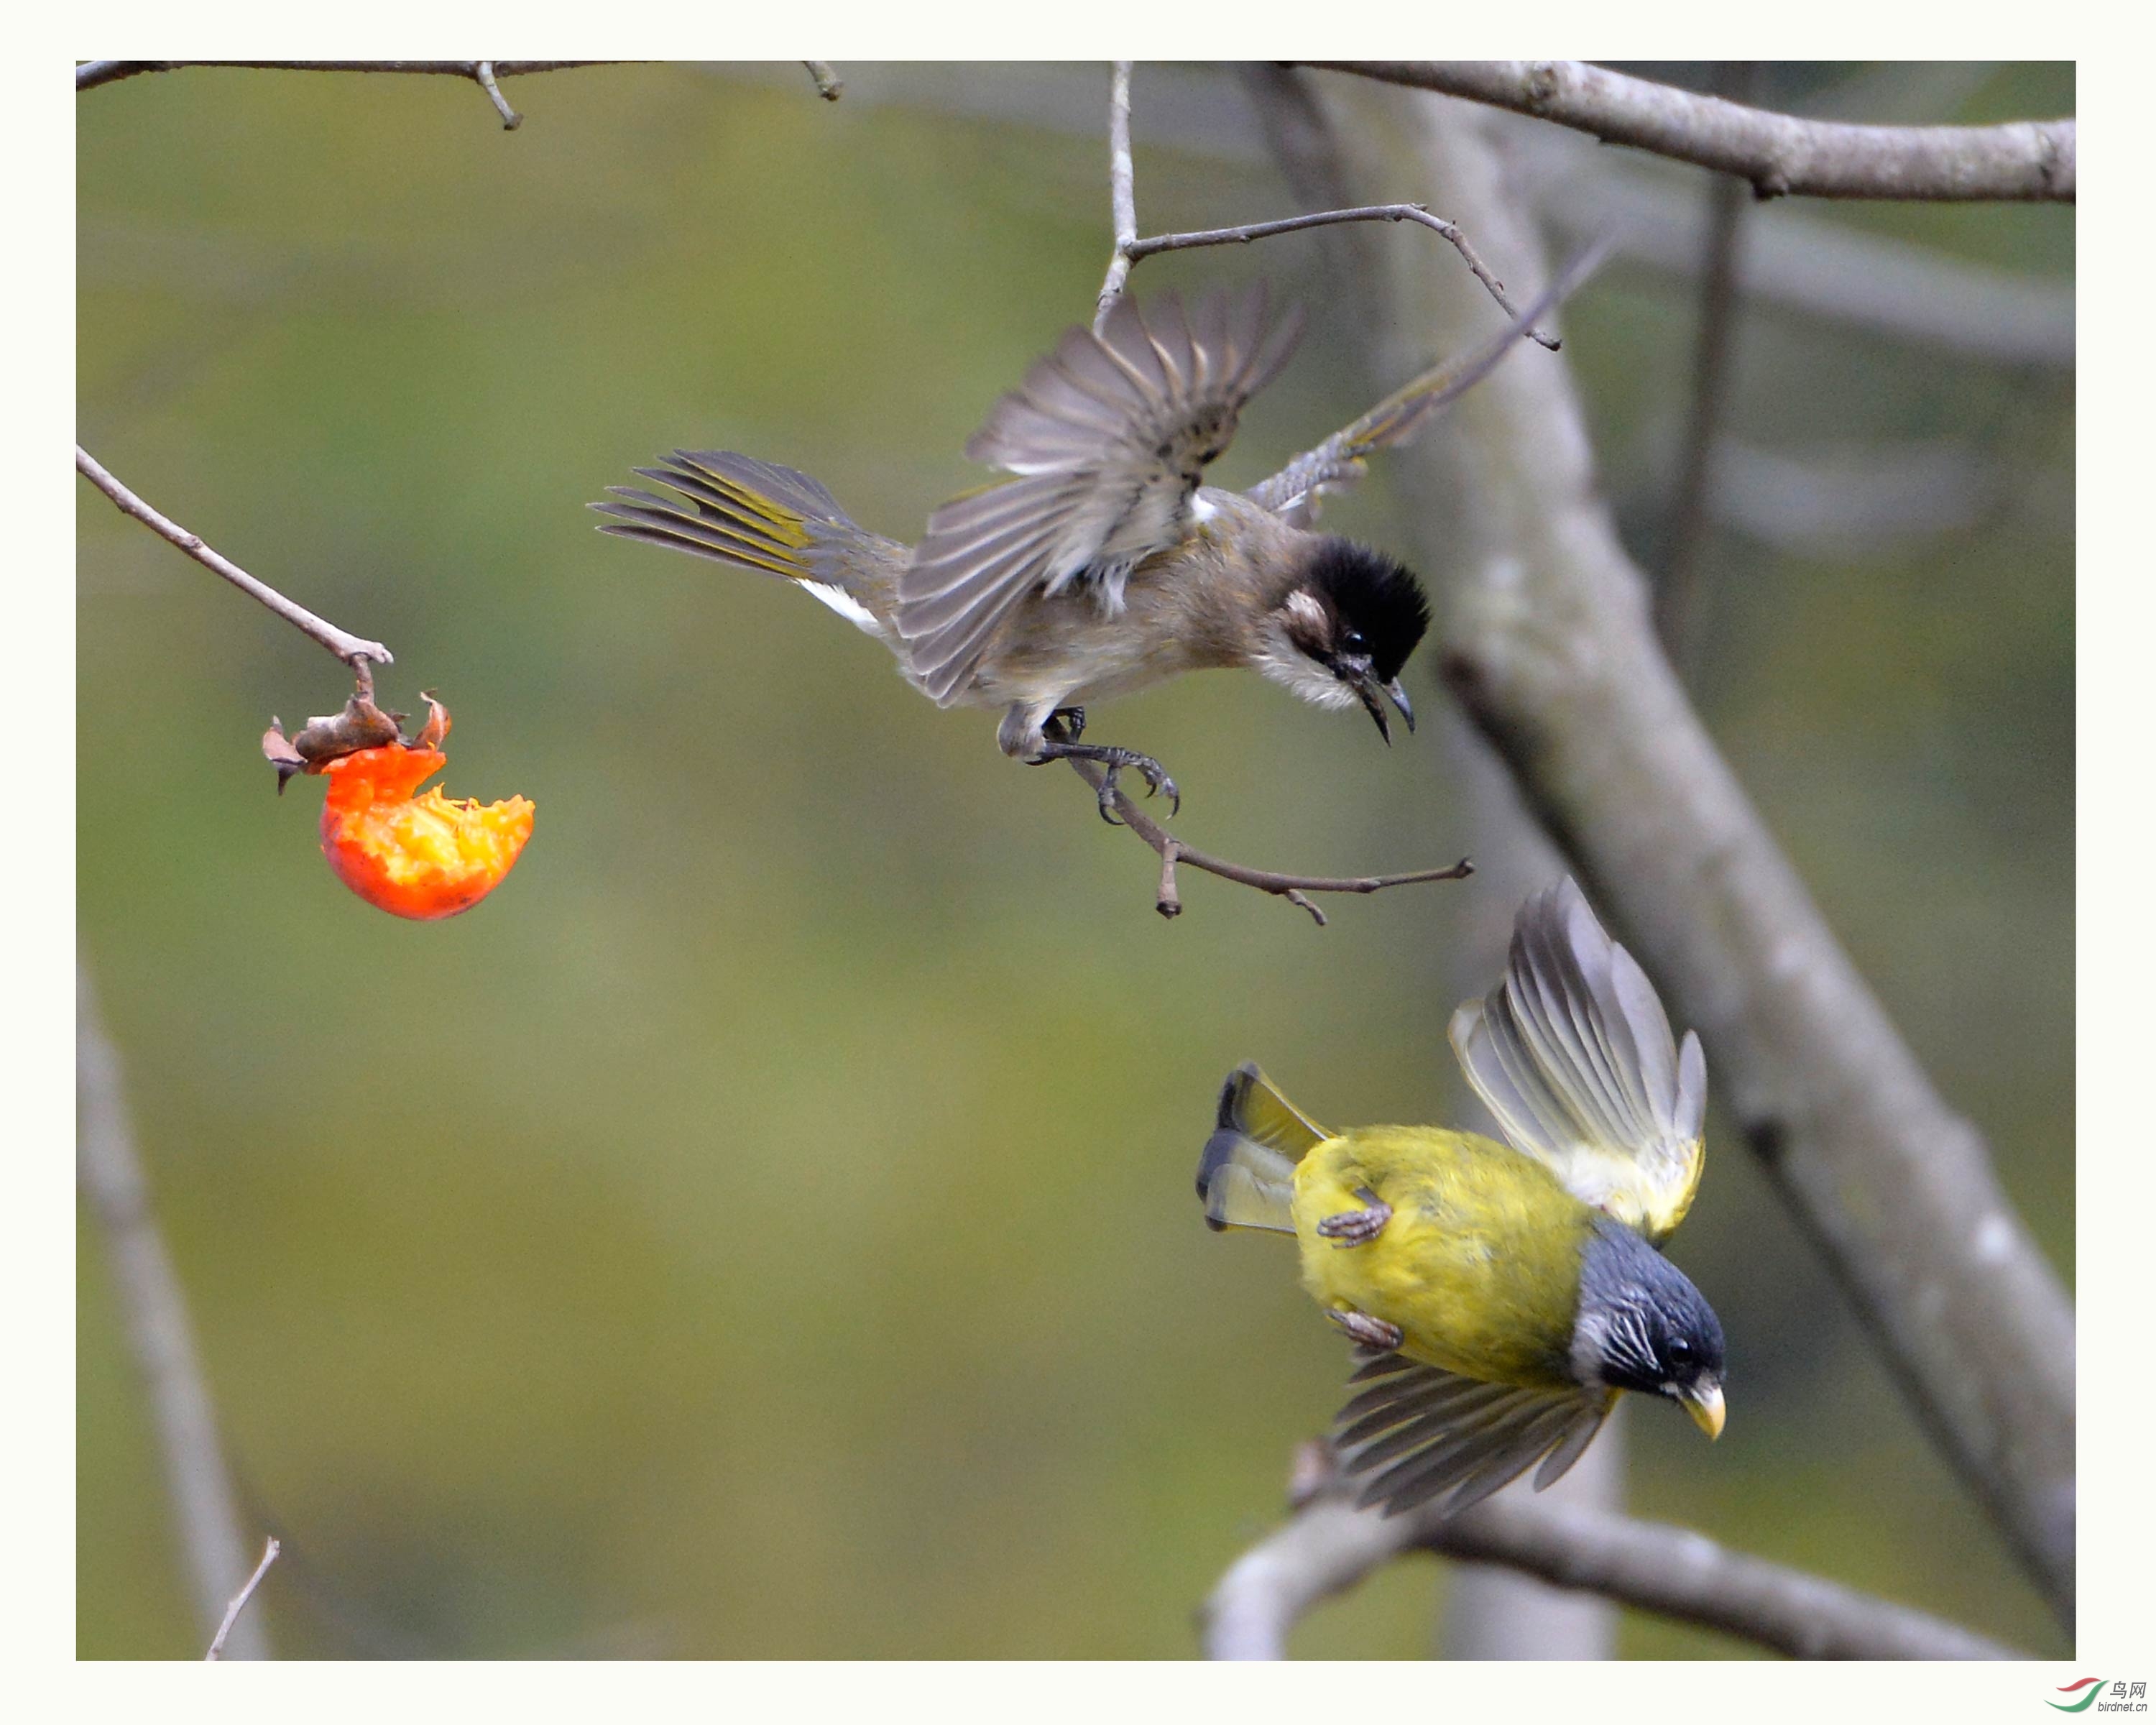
{"x": 1680, "y": 1352}
{"x": 1352, "y": 641}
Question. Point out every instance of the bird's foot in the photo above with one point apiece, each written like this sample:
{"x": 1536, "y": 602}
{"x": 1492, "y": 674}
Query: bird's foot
{"x": 1069, "y": 722}
{"x": 1056, "y": 746}
{"x": 1359, "y": 1326}
{"x": 1354, "y": 1228}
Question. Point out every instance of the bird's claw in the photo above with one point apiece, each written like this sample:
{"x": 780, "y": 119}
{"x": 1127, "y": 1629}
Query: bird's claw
{"x": 1354, "y": 1228}
{"x": 1150, "y": 770}
{"x": 1058, "y": 744}
{"x": 1370, "y": 1331}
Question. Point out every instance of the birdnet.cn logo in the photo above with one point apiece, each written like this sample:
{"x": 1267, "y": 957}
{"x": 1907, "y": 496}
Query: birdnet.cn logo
{"x": 2122, "y": 1697}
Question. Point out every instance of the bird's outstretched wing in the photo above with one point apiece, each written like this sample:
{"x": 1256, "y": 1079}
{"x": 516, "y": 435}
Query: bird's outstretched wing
{"x": 1293, "y": 492}
{"x": 1573, "y": 1053}
{"x": 1106, "y": 438}
{"x": 1417, "y": 1433}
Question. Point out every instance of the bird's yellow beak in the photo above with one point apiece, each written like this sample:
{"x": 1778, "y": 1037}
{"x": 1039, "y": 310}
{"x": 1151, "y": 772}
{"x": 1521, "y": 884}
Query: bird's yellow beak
{"x": 1704, "y": 1404}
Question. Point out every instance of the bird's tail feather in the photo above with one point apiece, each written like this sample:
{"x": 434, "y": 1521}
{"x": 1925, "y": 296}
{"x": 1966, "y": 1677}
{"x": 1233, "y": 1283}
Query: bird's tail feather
{"x": 1246, "y": 1174}
{"x": 759, "y": 516}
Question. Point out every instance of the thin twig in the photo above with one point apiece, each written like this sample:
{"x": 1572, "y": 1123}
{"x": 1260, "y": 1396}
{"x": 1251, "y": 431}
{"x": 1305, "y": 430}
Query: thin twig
{"x": 1123, "y": 190}
{"x": 91, "y": 74}
{"x": 483, "y": 72}
{"x": 1172, "y": 851}
{"x": 1328, "y": 1547}
{"x": 828, "y": 84}
{"x": 1129, "y": 247}
{"x": 1145, "y": 248}
{"x": 351, "y": 648}
{"x": 1728, "y": 204}
{"x": 1778, "y": 154}
{"x": 239, "y": 1600}
{"x": 154, "y": 1308}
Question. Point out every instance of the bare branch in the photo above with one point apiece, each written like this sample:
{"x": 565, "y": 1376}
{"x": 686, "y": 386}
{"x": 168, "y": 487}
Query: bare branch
{"x": 1804, "y": 256}
{"x": 351, "y": 648}
{"x": 1780, "y": 154}
{"x": 1798, "y": 254}
{"x": 1718, "y": 297}
{"x": 109, "y": 1172}
{"x": 483, "y": 71}
{"x": 1138, "y": 249}
{"x": 239, "y": 1601}
{"x": 1329, "y": 1545}
{"x": 1172, "y": 851}
{"x": 829, "y": 84}
{"x": 1547, "y": 648}
{"x": 91, "y": 74}
{"x": 1123, "y": 192}
{"x": 1130, "y": 249}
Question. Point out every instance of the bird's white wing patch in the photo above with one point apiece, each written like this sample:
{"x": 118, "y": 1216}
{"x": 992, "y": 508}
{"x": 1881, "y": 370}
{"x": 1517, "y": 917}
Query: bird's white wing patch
{"x": 1574, "y": 1055}
{"x": 846, "y": 605}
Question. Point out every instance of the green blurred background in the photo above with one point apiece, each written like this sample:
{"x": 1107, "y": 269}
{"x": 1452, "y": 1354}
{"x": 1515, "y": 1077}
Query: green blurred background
{"x": 763, "y": 1227}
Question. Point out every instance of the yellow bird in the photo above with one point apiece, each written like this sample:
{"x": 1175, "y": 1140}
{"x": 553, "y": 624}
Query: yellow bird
{"x": 1500, "y": 1295}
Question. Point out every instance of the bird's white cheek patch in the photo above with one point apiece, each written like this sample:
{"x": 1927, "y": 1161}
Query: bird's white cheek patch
{"x": 1302, "y": 676}
{"x": 1304, "y": 608}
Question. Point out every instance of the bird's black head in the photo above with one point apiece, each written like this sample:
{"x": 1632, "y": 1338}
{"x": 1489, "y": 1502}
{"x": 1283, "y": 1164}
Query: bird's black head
{"x": 1642, "y": 1325}
{"x": 1349, "y": 626}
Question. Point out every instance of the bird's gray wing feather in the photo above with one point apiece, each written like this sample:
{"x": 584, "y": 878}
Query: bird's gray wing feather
{"x": 1417, "y": 1433}
{"x": 1293, "y": 492}
{"x": 1573, "y": 1053}
{"x": 1106, "y": 439}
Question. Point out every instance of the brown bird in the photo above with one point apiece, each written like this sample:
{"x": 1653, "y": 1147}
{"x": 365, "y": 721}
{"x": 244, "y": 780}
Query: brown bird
{"x": 1101, "y": 565}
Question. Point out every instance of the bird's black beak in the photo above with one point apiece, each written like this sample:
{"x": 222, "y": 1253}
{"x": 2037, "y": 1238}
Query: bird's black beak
{"x": 1358, "y": 674}
{"x": 1399, "y": 699}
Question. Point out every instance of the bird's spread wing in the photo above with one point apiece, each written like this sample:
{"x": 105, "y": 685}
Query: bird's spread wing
{"x": 1573, "y": 1053}
{"x": 1339, "y": 461}
{"x": 1106, "y": 438}
{"x": 1417, "y": 1433}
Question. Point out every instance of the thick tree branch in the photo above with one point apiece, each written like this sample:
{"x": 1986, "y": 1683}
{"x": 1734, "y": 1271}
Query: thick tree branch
{"x": 1329, "y": 1545}
{"x": 109, "y": 1172}
{"x": 1173, "y": 852}
{"x": 1778, "y": 153}
{"x": 353, "y": 650}
{"x": 1548, "y": 647}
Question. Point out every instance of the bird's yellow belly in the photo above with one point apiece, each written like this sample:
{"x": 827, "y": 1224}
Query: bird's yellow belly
{"x": 1479, "y": 1266}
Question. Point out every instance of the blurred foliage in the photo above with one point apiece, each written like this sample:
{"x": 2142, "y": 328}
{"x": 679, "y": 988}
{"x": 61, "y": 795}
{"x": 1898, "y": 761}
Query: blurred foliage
{"x": 763, "y": 1227}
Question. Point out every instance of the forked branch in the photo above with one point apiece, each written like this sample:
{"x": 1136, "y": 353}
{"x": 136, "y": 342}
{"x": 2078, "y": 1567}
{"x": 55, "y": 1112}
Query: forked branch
{"x": 1172, "y": 851}
{"x": 1130, "y": 249}
{"x": 1328, "y": 1547}
{"x": 91, "y": 74}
